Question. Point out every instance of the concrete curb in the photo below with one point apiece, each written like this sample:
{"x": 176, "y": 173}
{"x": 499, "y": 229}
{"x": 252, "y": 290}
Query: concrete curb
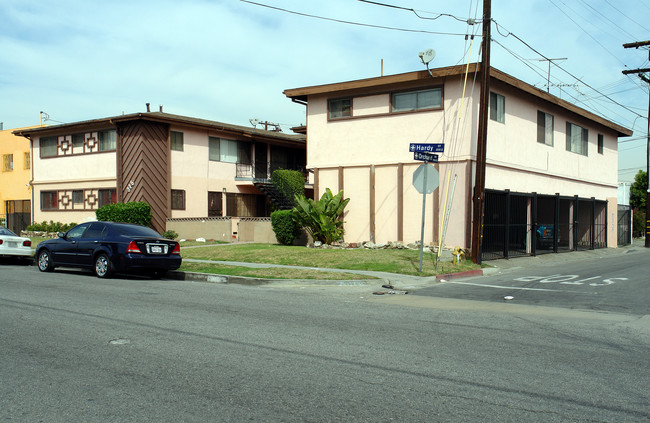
{"x": 243, "y": 280}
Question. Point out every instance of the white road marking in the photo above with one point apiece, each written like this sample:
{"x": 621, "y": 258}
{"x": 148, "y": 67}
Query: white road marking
{"x": 520, "y": 288}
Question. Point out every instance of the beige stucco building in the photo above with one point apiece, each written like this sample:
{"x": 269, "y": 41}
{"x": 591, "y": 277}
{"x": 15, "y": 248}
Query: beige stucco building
{"x": 182, "y": 167}
{"x": 551, "y": 166}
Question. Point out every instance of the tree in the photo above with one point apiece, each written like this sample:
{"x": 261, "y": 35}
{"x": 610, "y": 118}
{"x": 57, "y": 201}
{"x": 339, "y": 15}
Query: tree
{"x": 639, "y": 191}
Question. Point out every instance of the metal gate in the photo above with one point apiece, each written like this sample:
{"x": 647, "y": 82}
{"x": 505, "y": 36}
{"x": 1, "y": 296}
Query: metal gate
{"x": 624, "y": 224}
{"x": 18, "y": 215}
{"x": 518, "y": 224}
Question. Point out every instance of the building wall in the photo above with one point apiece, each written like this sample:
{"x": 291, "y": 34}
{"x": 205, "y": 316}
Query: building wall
{"x": 515, "y": 159}
{"x": 66, "y": 173}
{"x": 14, "y": 184}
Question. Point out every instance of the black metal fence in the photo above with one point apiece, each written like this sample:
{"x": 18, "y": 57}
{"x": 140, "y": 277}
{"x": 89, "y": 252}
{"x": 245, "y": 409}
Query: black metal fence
{"x": 518, "y": 224}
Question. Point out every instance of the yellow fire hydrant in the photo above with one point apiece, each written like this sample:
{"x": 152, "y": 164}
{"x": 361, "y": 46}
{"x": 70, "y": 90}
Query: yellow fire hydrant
{"x": 458, "y": 255}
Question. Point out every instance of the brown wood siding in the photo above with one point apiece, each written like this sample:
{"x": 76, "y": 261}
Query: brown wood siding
{"x": 145, "y": 168}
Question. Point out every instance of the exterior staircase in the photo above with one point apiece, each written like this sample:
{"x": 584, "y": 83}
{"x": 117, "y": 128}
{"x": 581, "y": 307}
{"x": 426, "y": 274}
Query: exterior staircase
{"x": 275, "y": 196}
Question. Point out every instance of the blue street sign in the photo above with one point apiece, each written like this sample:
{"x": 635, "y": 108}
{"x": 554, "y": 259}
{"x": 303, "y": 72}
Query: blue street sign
{"x": 426, "y": 157}
{"x": 427, "y": 148}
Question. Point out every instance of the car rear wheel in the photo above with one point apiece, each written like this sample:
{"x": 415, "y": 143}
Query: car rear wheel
{"x": 103, "y": 266}
{"x": 44, "y": 261}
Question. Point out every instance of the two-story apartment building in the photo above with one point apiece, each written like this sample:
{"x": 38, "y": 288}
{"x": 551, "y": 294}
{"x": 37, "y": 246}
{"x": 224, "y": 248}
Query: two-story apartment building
{"x": 15, "y": 176}
{"x": 181, "y": 166}
{"x": 551, "y": 175}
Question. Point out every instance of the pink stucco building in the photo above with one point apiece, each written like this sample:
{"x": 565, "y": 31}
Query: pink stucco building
{"x": 551, "y": 176}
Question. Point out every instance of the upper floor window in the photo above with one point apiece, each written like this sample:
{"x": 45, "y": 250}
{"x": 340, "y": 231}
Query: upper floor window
{"x": 48, "y": 146}
{"x": 107, "y": 140}
{"x": 7, "y": 162}
{"x": 222, "y": 150}
{"x": 601, "y": 143}
{"x": 340, "y": 108}
{"x": 417, "y": 100}
{"x": 497, "y": 107}
{"x": 78, "y": 141}
{"x": 576, "y": 138}
{"x": 176, "y": 141}
{"x": 545, "y": 123}
{"x": 28, "y": 160}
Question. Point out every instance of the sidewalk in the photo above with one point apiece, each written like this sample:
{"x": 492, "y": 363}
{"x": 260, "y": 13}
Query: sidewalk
{"x": 399, "y": 281}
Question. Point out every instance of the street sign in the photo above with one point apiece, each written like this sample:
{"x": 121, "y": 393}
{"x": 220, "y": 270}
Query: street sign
{"x": 425, "y": 179}
{"x": 427, "y": 148}
{"x": 427, "y": 157}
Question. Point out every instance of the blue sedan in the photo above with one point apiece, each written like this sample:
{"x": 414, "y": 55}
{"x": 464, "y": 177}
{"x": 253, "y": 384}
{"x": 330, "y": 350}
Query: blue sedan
{"x": 108, "y": 247}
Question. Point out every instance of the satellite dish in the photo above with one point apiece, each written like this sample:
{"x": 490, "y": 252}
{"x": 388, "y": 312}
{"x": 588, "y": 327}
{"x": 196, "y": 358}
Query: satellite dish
{"x": 427, "y": 55}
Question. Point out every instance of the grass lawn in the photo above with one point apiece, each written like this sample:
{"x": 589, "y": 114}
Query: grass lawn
{"x": 394, "y": 261}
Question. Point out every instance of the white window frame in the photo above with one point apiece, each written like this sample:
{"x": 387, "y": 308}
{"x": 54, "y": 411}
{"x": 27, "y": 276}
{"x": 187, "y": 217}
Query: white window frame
{"x": 545, "y": 128}
{"x": 497, "y": 107}
{"x": 577, "y": 139}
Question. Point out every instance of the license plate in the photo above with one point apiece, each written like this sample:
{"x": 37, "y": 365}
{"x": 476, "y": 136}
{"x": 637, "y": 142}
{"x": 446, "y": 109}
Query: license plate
{"x": 156, "y": 249}
{"x": 11, "y": 244}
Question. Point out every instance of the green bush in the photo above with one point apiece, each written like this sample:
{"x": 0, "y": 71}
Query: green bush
{"x": 284, "y": 226}
{"x": 289, "y": 182}
{"x": 638, "y": 223}
{"x": 169, "y": 234}
{"x": 322, "y": 218}
{"x": 50, "y": 226}
{"x": 137, "y": 212}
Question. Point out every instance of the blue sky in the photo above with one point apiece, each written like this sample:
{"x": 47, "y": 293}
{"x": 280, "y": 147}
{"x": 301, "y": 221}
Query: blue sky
{"x": 230, "y": 60}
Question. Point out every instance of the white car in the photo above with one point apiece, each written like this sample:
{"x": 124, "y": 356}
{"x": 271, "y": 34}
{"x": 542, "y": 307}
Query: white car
{"x": 14, "y": 245}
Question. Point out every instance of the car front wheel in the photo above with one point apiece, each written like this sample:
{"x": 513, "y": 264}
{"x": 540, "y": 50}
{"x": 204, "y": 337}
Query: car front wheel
{"x": 44, "y": 261}
{"x": 103, "y": 266}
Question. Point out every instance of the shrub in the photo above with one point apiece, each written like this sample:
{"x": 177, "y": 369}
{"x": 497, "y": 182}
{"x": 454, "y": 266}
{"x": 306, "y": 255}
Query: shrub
{"x": 137, "y": 212}
{"x": 284, "y": 226}
{"x": 638, "y": 223}
{"x": 289, "y": 182}
{"x": 50, "y": 226}
{"x": 169, "y": 234}
{"x": 322, "y": 218}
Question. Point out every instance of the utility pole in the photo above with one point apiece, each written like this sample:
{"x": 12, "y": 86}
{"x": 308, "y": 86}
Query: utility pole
{"x": 641, "y": 72}
{"x": 481, "y": 142}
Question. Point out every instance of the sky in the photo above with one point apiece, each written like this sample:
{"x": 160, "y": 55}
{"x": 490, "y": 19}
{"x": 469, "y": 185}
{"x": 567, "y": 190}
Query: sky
{"x": 230, "y": 60}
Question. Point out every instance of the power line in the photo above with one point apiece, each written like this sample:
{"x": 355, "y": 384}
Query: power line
{"x": 421, "y": 11}
{"x": 349, "y": 22}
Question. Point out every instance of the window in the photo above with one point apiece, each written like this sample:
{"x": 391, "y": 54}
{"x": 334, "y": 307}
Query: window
{"x": 28, "y": 160}
{"x": 214, "y": 204}
{"x": 178, "y": 199}
{"x": 340, "y": 108}
{"x": 176, "y": 141}
{"x": 49, "y": 200}
{"x": 77, "y": 231}
{"x": 96, "y": 230}
{"x": 78, "y": 143}
{"x": 107, "y": 140}
{"x": 544, "y": 128}
{"x": 601, "y": 143}
{"x": 417, "y": 100}
{"x": 107, "y": 196}
{"x": 246, "y": 205}
{"x": 48, "y": 146}
{"x": 222, "y": 150}
{"x": 78, "y": 196}
{"x": 576, "y": 138}
{"x": 497, "y": 107}
{"x": 7, "y": 162}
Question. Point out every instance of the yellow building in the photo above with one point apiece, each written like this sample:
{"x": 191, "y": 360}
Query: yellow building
{"x": 15, "y": 177}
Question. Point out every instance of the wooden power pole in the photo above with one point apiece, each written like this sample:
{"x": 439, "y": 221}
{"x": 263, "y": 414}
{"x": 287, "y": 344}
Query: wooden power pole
{"x": 481, "y": 142}
{"x": 641, "y": 72}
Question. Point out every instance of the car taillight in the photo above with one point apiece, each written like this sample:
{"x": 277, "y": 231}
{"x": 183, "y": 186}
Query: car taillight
{"x": 177, "y": 249}
{"x": 0, "y": 242}
{"x": 27, "y": 243}
{"x": 133, "y": 248}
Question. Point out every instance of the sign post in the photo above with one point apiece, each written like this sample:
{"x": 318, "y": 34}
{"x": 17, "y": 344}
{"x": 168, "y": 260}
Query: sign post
{"x": 425, "y": 178}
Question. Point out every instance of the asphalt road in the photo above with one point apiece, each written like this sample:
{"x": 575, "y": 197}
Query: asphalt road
{"x": 76, "y": 348}
{"x": 616, "y": 283}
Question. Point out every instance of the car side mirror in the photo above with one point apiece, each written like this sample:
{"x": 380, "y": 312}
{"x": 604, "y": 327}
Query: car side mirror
{"x": 61, "y": 234}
